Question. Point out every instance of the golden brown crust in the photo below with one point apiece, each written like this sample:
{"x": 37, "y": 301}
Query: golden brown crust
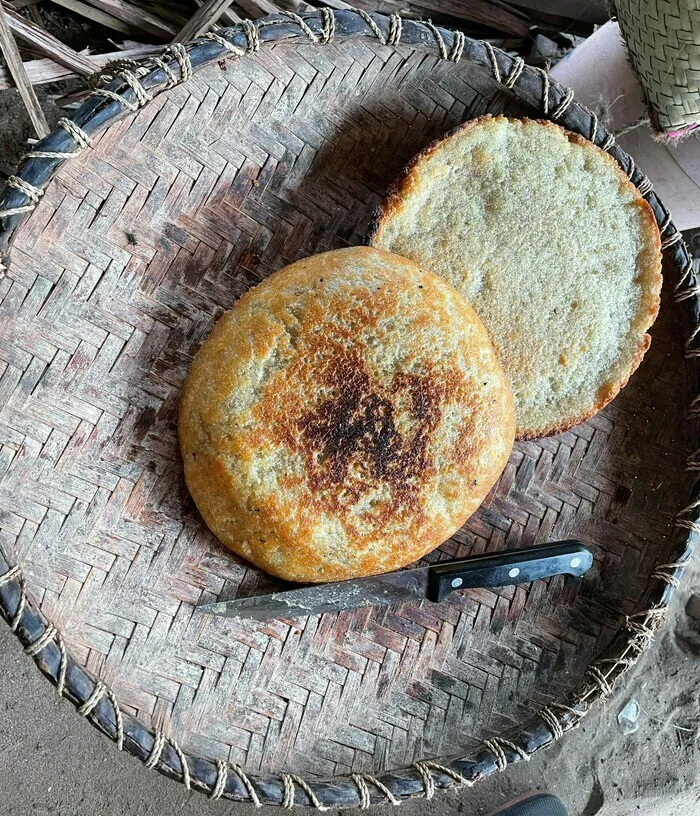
{"x": 408, "y": 181}
{"x": 344, "y": 418}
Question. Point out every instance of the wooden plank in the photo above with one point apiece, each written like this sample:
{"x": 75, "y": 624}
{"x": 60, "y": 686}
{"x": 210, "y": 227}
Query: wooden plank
{"x": 42, "y": 71}
{"x": 137, "y": 18}
{"x": 48, "y": 45}
{"x": 258, "y": 8}
{"x": 9, "y": 49}
{"x": 492, "y": 13}
{"x": 97, "y": 16}
{"x": 495, "y": 14}
{"x": 228, "y": 17}
{"x": 202, "y": 20}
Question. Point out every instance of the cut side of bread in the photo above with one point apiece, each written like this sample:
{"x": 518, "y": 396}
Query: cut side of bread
{"x": 551, "y": 243}
{"x": 344, "y": 418}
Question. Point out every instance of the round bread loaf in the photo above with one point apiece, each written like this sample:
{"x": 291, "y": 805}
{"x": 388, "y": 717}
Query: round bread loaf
{"x": 344, "y": 418}
{"x": 551, "y": 243}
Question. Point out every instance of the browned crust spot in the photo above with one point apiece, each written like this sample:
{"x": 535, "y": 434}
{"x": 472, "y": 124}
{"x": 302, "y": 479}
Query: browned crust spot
{"x": 397, "y": 453}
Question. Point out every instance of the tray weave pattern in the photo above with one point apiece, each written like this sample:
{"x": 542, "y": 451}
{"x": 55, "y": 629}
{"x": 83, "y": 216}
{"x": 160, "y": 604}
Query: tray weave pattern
{"x": 663, "y": 41}
{"x": 152, "y": 228}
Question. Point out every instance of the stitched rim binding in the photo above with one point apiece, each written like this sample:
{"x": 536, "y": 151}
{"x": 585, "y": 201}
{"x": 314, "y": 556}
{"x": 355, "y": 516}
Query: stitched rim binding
{"x": 133, "y": 87}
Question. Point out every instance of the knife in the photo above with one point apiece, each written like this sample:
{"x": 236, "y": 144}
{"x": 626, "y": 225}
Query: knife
{"x": 433, "y": 583}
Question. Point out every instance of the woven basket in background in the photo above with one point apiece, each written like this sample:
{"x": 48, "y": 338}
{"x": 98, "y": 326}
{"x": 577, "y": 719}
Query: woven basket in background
{"x": 663, "y": 42}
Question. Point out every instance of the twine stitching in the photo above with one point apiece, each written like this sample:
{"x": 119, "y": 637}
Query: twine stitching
{"x": 62, "y": 664}
{"x": 694, "y": 408}
{"x": 461, "y": 780}
{"x": 499, "y": 754}
{"x": 184, "y": 767}
{"x": 289, "y": 779}
{"x": 515, "y": 71}
{"x": 576, "y": 715}
{"x": 545, "y": 91}
{"x": 563, "y": 105}
{"x": 426, "y": 776}
{"x": 361, "y": 780}
{"x": 630, "y": 171}
{"x": 362, "y": 790}
{"x": 328, "y": 25}
{"x": 254, "y": 798}
{"x": 16, "y": 210}
{"x": 43, "y": 640}
{"x": 600, "y": 679}
{"x": 608, "y": 142}
{"x": 458, "y": 42}
{"x": 33, "y": 193}
{"x": 221, "y": 778}
{"x": 643, "y": 631}
{"x": 115, "y": 97}
{"x": 692, "y": 352}
{"x": 288, "y": 799}
{"x": 424, "y": 769}
{"x": 692, "y": 337}
{"x": 133, "y": 82}
{"x": 179, "y": 53}
{"x": 50, "y": 154}
{"x": 156, "y": 750}
{"x": 594, "y": 126}
{"x": 439, "y": 39}
{"x": 171, "y": 79}
{"x": 395, "y": 29}
{"x": 625, "y": 662}
{"x": 302, "y": 24}
{"x": 94, "y": 698}
{"x": 252, "y": 35}
{"x": 693, "y": 505}
{"x": 224, "y": 43}
{"x": 372, "y": 24}
{"x": 551, "y": 719}
{"x": 662, "y": 572}
{"x": 671, "y": 240}
{"x": 686, "y": 293}
{"x": 687, "y": 269}
{"x": 663, "y": 226}
{"x": 492, "y": 57}
{"x": 645, "y": 186}
{"x": 118, "y": 719}
{"x": 687, "y": 524}
{"x": 13, "y": 573}
{"x": 80, "y": 137}
{"x": 521, "y": 752}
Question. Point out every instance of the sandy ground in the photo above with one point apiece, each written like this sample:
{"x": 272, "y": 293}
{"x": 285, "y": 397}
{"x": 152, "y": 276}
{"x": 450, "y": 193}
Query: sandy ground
{"x": 53, "y": 762}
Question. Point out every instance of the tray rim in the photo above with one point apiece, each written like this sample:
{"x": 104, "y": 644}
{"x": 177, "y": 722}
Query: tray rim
{"x": 134, "y": 87}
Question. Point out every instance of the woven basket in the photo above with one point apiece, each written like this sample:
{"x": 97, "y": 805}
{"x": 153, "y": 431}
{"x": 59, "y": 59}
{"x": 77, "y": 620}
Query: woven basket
{"x": 663, "y": 43}
{"x": 126, "y": 255}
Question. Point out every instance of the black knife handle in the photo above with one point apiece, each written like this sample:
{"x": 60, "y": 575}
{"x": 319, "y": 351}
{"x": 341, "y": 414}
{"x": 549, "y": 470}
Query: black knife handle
{"x": 508, "y": 568}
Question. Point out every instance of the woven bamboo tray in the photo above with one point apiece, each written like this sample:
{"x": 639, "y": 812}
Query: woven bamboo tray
{"x": 189, "y": 179}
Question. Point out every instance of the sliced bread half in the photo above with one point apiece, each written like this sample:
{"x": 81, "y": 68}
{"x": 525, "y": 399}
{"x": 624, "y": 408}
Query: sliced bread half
{"x": 553, "y": 245}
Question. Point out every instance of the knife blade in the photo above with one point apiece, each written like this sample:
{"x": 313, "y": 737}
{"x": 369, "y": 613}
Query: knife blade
{"x": 433, "y": 583}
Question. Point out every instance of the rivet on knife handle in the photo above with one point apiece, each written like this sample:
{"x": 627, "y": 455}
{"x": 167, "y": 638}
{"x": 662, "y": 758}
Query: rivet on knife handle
{"x": 508, "y": 568}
